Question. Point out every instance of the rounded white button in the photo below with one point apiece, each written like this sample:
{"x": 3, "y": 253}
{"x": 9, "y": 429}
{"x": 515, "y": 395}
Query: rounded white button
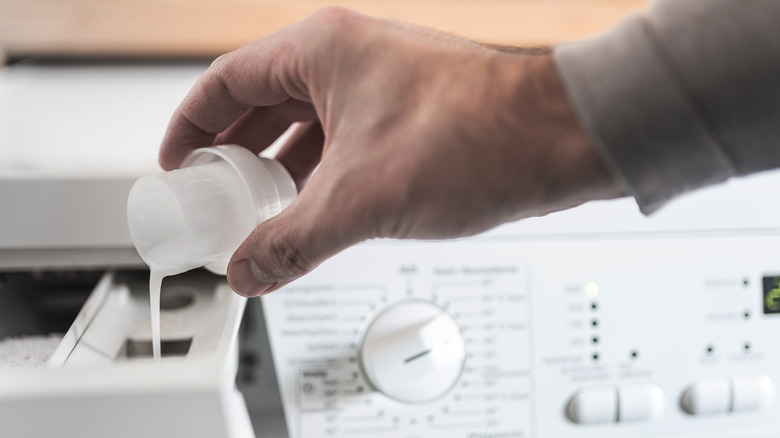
{"x": 413, "y": 352}
{"x": 707, "y": 396}
{"x": 752, "y": 393}
{"x": 639, "y": 402}
{"x": 593, "y": 406}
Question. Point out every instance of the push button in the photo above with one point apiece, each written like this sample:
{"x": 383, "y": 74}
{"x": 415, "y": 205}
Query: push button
{"x": 736, "y": 394}
{"x": 639, "y": 402}
{"x": 707, "y": 396}
{"x": 751, "y": 393}
{"x": 593, "y": 406}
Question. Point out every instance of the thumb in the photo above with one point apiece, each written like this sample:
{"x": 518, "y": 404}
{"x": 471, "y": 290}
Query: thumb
{"x": 286, "y": 247}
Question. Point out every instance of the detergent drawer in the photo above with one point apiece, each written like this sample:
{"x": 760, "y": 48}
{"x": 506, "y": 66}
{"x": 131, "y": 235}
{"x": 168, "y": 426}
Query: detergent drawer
{"x": 102, "y": 380}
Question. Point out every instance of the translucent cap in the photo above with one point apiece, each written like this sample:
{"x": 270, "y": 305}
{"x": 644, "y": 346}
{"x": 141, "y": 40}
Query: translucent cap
{"x": 199, "y": 214}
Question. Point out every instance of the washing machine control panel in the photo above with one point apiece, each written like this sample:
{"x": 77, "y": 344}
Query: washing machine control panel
{"x": 513, "y": 337}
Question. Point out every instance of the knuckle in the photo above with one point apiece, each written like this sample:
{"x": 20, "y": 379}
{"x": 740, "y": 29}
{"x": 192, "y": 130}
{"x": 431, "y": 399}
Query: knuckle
{"x": 225, "y": 67}
{"x": 330, "y": 35}
{"x": 219, "y": 63}
{"x": 333, "y": 15}
{"x": 332, "y": 23}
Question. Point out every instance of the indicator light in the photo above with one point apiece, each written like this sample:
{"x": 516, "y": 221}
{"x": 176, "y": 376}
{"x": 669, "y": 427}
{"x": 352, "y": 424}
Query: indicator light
{"x": 592, "y": 289}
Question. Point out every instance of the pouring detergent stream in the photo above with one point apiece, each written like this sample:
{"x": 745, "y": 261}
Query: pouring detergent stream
{"x": 198, "y": 215}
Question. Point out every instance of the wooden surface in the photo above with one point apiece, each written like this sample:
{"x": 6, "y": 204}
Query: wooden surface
{"x": 212, "y": 27}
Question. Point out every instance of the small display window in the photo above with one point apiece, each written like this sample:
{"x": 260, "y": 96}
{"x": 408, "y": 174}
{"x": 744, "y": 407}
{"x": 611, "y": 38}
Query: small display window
{"x": 772, "y": 294}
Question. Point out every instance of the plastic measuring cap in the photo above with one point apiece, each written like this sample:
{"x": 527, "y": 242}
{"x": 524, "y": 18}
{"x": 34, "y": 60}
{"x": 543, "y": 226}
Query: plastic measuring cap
{"x": 199, "y": 214}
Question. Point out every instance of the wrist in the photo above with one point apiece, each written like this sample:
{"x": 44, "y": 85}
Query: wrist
{"x": 570, "y": 168}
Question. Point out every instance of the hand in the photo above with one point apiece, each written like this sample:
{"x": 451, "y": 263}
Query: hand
{"x": 417, "y": 135}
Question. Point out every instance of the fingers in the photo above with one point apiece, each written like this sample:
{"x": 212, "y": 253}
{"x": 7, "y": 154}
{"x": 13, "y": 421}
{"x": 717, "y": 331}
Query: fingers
{"x": 302, "y": 152}
{"x": 290, "y": 245}
{"x": 264, "y": 73}
{"x": 255, "y": 130}
{"x": 295, "y": 63}
{"x": 259, "y": 127}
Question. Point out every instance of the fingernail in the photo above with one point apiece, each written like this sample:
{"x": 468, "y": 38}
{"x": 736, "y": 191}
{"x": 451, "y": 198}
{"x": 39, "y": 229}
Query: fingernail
{"x": 246, "y": 279}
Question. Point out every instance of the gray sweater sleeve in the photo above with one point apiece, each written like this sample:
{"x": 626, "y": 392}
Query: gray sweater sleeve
{"x": 684, "y": 96}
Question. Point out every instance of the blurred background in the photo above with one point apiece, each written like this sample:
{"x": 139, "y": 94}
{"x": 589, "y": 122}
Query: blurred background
{"x": 206, "y": 28}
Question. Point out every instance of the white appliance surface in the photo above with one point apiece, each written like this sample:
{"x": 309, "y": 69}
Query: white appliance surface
{"x": 84, "y": 120}
{"x": 669, "y": 311}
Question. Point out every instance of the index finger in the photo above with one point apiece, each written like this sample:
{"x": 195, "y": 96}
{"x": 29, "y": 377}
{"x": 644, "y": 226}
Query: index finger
{"x": 259, "y": 74}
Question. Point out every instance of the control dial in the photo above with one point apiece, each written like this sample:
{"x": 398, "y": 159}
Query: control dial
{"x": 413, "y": 352}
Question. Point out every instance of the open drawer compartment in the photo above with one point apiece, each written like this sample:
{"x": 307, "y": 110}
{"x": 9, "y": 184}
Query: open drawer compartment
{"x": 102, "y": 381}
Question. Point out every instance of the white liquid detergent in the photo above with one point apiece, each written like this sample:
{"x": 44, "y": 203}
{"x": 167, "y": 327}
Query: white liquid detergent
{"x": 156, "y": 275}
{"x": 198, "y": 215}
{"x": 155, "y": 284}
